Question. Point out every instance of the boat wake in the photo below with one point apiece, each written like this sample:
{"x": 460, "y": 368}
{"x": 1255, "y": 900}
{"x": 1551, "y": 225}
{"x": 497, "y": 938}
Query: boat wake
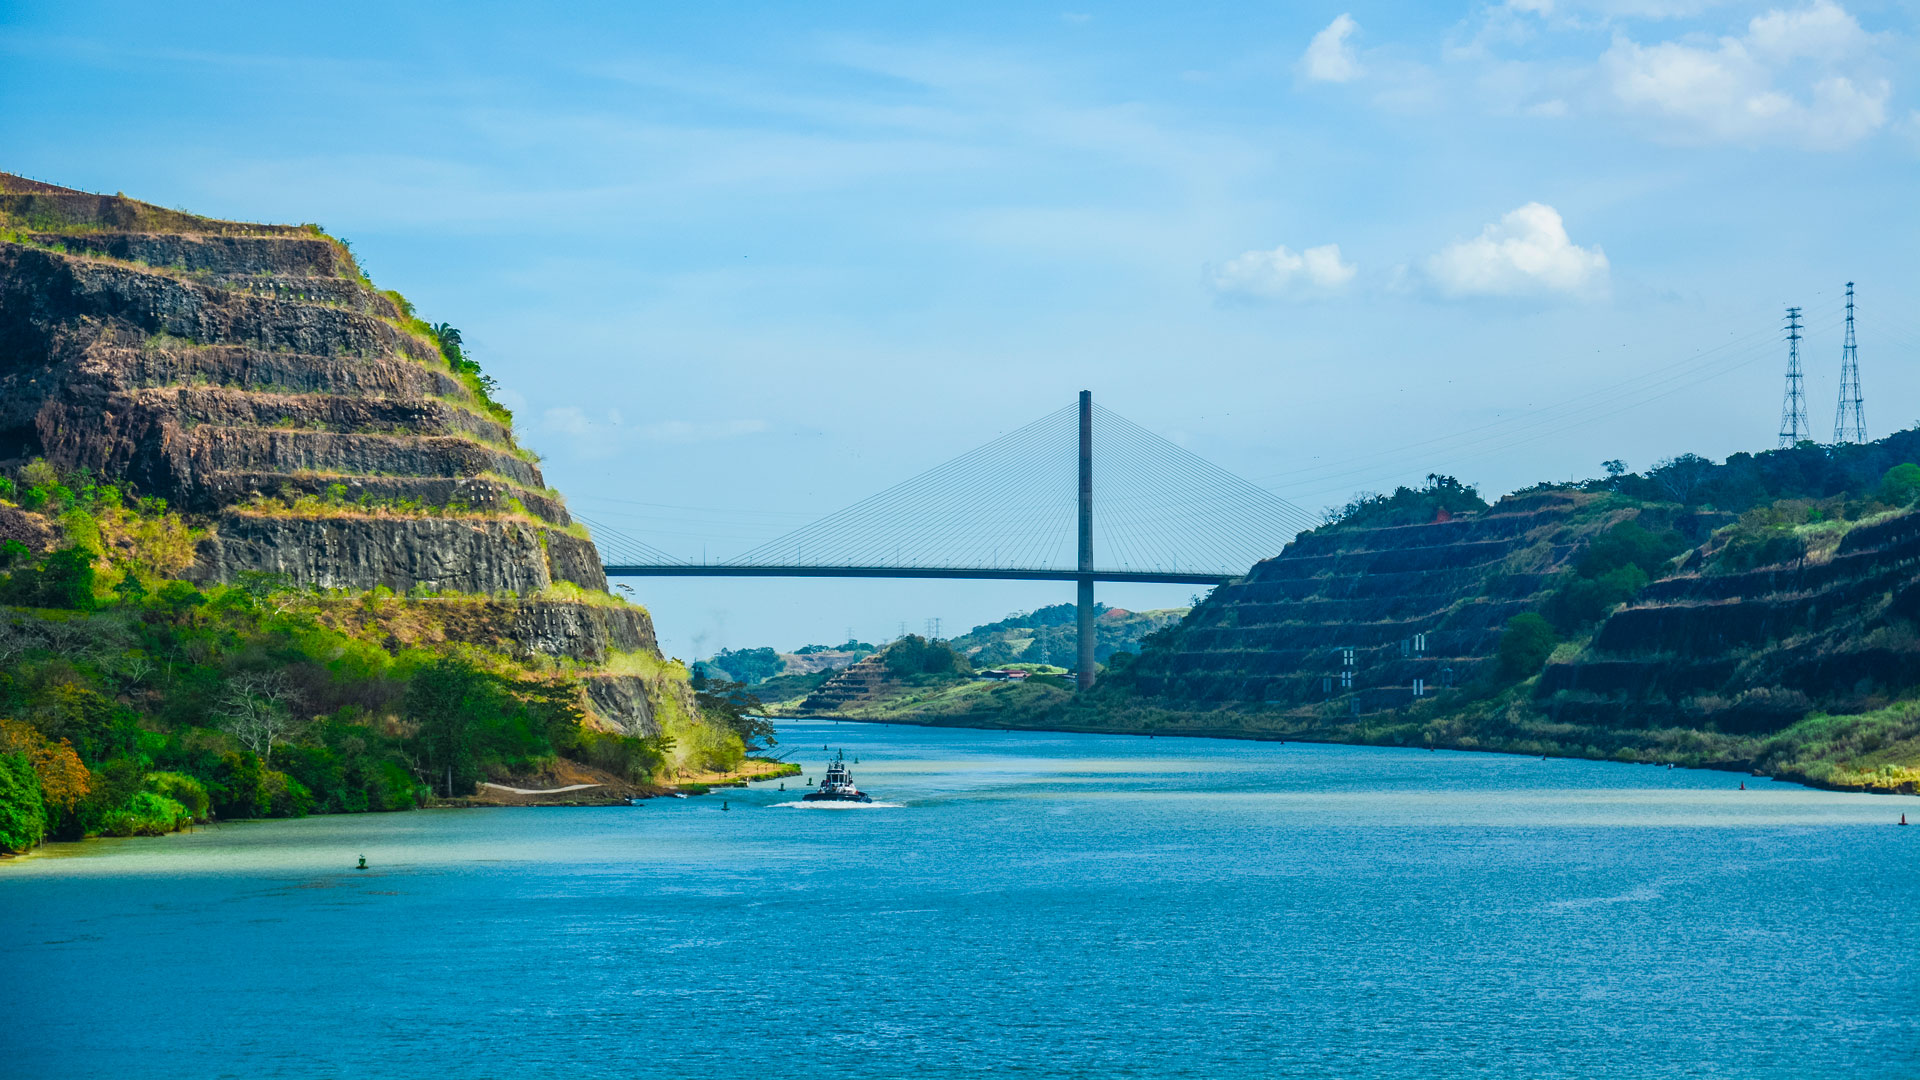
{"x": 832, "y": 804}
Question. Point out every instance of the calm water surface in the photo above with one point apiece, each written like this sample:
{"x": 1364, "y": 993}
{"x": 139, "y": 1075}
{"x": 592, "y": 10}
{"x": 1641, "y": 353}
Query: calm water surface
{"x": 1037, "y": 905}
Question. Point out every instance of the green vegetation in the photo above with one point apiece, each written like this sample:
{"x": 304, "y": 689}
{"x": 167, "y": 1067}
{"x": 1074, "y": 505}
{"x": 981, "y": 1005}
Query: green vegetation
{"x": 463, "y": 366}
{"x": 1616, "y": 565}
{"x": 1525, "y": 644}
{"x": 851, "y": 646}
{"x": 1050, "y": 635}
{"x": 915, "y": 655}
{"x": 134, "y": 703}
{"x": 737, "y": 708}
{"x": 1440, "y": 495}
{"x": 747, "y": 666}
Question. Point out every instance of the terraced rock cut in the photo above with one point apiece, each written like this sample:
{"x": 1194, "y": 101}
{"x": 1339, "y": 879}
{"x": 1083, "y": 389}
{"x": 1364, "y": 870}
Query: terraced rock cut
{"x": 305, "y": 422}
{"x": 1355, "y": 616}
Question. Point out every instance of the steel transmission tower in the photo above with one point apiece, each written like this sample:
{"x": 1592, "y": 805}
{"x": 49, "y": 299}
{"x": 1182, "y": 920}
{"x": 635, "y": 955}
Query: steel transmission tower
{"x": 1793, "y": 410}
{"x": 1850, "y": 420}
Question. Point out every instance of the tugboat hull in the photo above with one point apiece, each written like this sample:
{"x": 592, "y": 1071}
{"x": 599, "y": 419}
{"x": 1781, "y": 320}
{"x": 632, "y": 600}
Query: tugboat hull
{"x": 838, "y": 785}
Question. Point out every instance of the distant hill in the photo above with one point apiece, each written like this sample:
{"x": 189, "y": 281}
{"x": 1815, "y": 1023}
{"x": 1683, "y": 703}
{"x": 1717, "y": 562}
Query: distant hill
{"x": 1048, "y": 635}
{"x": 755, "y": 666}
{"x": 1760, "y": 613}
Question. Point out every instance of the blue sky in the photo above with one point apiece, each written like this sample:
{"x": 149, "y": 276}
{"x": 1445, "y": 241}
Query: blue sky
{"x": 739, "y": 265}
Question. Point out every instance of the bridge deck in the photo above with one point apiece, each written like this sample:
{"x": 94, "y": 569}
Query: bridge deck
{"x": 968, "y": 573}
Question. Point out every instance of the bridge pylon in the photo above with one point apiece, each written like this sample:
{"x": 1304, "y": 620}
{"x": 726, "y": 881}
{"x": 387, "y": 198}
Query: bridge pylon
{"x": 1083, "y": 668}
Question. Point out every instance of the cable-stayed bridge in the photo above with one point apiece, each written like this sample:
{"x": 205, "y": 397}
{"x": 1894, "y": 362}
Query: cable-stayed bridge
{"x": 1023, "y": 507}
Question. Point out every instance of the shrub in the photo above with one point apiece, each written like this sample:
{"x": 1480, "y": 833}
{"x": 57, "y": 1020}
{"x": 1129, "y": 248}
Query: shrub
{"x": 239, "y": 789}
{"x": 286, "y": 797}
{"x": 1441, "y": 496}
{"x": 144, "y": 814}
{"x": 1585, "y": 600}
{"x": 1525, "y": 645}
{"x": 636, "y": 760}
{"x": 1900, "y": 486}
{"x": 183, "y": 789}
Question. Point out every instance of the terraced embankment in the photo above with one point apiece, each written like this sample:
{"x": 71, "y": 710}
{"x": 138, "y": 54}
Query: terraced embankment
{"x": 251, "y": 376}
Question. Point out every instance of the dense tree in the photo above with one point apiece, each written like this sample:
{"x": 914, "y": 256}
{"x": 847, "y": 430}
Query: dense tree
{"x": 445, "y": 699}
{"x": 1525, "y": 645}
{"x": 735, "y": 707}
{"x": 749, "y": 665}
{"x": 23, "y": 818}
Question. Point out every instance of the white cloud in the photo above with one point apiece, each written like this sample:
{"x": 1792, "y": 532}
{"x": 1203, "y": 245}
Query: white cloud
{"x": 684, "y": 431}
{"x": 608, "y": 435}
{"x": 1823, "y": 31}
{"x": 1329, "y": 58}
{"x": 1281, "y": 274}
{"x": 1581, "y": 12}
{"x": 1730, "y": 91}
{"x": 1525, "y": 253}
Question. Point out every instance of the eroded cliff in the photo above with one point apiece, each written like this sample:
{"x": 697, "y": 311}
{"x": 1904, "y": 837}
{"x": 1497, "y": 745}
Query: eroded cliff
{"x": 308, "y": 425}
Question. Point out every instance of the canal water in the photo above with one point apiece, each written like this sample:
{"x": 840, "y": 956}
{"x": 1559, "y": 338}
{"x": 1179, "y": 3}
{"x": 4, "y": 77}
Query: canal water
{"x": 1034, "y": 905}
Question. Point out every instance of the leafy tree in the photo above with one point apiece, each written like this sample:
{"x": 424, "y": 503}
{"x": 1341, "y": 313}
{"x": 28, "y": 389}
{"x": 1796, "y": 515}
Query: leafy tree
{"x": 445, "y": 699}
{"x": 915, "y": 655}
{"x": 64, "y": 579}
{"x": 1441, "y": 494}
{"x": 1901, "y": 485}
{"x": 239, "y": 786}
{"x": 1584, "y": 600}
{"x": 1525, "y": 645}
{"x": 83, "y": 717}
{"x": 749, "y": 665}
{"x": 736, "y": 708}
{"x": 23, "y": 817}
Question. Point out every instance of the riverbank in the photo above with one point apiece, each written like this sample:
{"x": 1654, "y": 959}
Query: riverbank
{"x": 1863, "y": 754}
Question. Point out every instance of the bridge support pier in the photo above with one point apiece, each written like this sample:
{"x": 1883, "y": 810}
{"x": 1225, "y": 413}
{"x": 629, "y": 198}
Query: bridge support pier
{"x": 1083, "y": 663}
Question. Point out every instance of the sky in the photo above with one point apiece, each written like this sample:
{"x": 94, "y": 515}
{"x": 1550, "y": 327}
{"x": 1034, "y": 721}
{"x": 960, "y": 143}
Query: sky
{"x": 738, "y": 266}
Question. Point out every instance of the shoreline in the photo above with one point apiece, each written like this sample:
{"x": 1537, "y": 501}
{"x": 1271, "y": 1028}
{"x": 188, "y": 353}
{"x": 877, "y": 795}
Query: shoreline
{"x": 1736, "y": 767}
{"x": 695, "y": 784}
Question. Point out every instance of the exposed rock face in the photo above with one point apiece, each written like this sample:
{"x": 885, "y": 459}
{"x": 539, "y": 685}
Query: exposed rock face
{"x": 249, "y": 375}
{"x": 473, "y": 555}
{"x": 1279, "y": 636}
{"x": 1754, "y": 651}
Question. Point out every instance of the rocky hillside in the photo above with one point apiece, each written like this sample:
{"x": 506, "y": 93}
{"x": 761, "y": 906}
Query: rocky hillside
{"x": 1828, "y": 628}
{"x": 308, "y": 425}
{"x": 1355, "y": 616}
{"x": 1759, "y": 613}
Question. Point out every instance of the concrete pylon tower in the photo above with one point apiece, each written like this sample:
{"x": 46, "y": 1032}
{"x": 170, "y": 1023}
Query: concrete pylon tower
{"x": 1850, "y": 419}
{"x": 1083, "y": 667}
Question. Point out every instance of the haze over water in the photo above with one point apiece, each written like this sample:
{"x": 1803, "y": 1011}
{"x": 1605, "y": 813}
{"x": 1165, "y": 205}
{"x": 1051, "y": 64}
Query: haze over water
{"x": 1039, "y": 904}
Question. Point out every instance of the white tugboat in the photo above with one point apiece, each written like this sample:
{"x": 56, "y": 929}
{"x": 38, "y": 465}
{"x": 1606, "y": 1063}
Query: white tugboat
{"x": 838, "y": 785}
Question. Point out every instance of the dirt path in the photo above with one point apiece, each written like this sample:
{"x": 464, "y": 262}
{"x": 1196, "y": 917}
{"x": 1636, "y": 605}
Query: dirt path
{"x": 538, "y": 791}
